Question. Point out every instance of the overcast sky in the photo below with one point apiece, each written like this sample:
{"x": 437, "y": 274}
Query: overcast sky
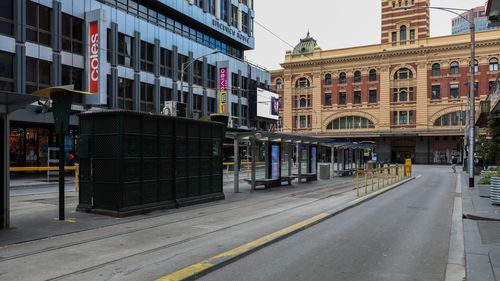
{"x": 333, "y": 23}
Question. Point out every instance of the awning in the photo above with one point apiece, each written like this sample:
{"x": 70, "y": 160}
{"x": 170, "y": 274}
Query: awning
{"x": 10, "y": 102}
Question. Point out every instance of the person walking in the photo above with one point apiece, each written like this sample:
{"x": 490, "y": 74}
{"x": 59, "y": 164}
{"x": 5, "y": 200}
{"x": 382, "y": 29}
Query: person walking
{"x": 454, "y": 164}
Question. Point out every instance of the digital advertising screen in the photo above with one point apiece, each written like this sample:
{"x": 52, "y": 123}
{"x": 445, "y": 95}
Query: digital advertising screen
{"x": 275, "y": 162}
{"x": 313, "y": 160}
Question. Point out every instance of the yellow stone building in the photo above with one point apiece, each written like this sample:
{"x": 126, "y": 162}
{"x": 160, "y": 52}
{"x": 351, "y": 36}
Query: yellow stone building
{"x": 408, "y": 93}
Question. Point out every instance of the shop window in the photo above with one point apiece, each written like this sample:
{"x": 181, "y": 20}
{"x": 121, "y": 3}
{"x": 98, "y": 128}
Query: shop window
{"x": 7, "y": 17}
{"x": 357, "y": 77}
{"x": 125, "y": 93}
{"x": 147, "y": 56}
{"x": 342, "y": 78}
{"x": 436, "y": 92}
{"x": 454, "y": 68}
{"x": 372, "y": 98}
{"x": 328, "y": 99}
{"x": 37, "y": 74}
{"x": 38, "y": 23}
{"x": 493, "y": 66}
{"x": 328, "y": 79}
{"x": 357, "y": 97}
{"x": 72, "y": 34}
{"x": 165, "y": 62}
{"x": 454, "y": 91}
{"x": 436, "y": 69}
{"x": 125, "y": 50}
{"x": 372, "y": 75}
{"x": 6, "y": 72}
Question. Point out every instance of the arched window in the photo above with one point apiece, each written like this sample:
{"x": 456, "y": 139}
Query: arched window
{"x": 350, "y": 122}
{"x": 403, "y": 74}
{"x": 456, "y": 118}
{"x": 279, "y": 84}
{"x": 372, "y": 75}
{"x": 328, "y": 79}
{"x": 357, "y": 76}
{"x": 476, "y": 66}
{"x": 454, "y": 68}
{"x": 302, "y": 83}
{"x": 402, "y": 33}
{"x": 493, "y": 64}
{"x": 436, "y": 69}
{"x": 342, "y": 78}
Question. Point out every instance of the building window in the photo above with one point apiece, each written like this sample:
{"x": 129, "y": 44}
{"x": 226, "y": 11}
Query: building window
{"x": 412, "y": 34}
{"x": 211, "y": 105}
{"x": 403, "y": 96}
{"x": 72, "y": 34}
{"x": 357, "y": 97}
{"x": 38, "y": 23}
{"x": 6, "y": 72}
{"x": 197, "y": 72}
{"x": 212, "y": 76}
{"x": 303, "y": 122}
{"x": 451, "y": 119}
{"x": 342, "y": 98}
{"x": 436, "y": 92}
{"x": 304, "y": 101}
{"x": 403, "y": 118}
{"x": 73, "y": 76}
{"x": 165, "y": 95}
{"x": 476, "y": 66}
{"x": 279, "y": 84}
{"x": 372, "y": 96}
{"x": 125, "y": 50}
{"x": 454, "y": 91}
{"x": 394, "y": 36}
{"x": 493, "y": 64}
{"x": 372, "y": 75}
{"x": 328, "y": 99}
{"x": 357, "y": 77}
{"x": 350, "y": 122}
{"x": 244, "y": 22}
{"x": 328, "y": 79}
{"x": 454, "y": 68}
{"x": 491, "y": 85}
{"x": 147, "y": 95}
{"x": 224, "y": 10}
{"x": 37, "y": 74}
{"x": 402, "y": 33}
{"x": 7, "y": 17}
{"x": 436, "y": 69}
{"x": 165, "y": 62}
{"x": 234, "y": 17}
{"x": 342, "y": 78}
{"x": 182, "y": 61}
{"x": 302, "y": 83}
{"x": 403, "y": 74}
{"x": 125, "y": 93}
{"x": 147, "y": 56}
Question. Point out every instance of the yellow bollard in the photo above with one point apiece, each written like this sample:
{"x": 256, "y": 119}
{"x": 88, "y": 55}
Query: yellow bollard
{"x": 378, "y": 179}
{"x": 357, "y": 183}
{"x": 366, "y": 186}
{"x": 372, "y": 180}
{"x": 383, "y": 177}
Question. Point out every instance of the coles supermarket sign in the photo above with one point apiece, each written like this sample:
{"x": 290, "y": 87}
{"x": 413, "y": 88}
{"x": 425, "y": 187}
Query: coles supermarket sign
{"x": 94, "y": 57}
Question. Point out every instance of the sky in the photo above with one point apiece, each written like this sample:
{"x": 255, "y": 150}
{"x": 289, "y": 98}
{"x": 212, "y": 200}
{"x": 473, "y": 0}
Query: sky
{"x": 333, "y": 23}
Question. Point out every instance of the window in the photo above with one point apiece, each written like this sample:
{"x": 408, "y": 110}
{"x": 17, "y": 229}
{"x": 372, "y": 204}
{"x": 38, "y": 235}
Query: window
{"x": 244, "y": 22}
{"x": 436, "y": 69}
{"x": 305, "y": 101}
{"x": 7, "y": 17}
{"x": 357, "y": 77}
{"x": 328, "y": 99}
{"x": 403, "y": 96}
{"x": 147, "y": 56}
{"x": 491, "y": 85}
{"x": 436, "y": 92}
{"x": 342, "y": 78}
{"x": 372, "y": 75}
{"x": 147, "y": 94}
{"x": 372, "y": 96}
{"x": 212, "y": 74}
{"x": 357, "y": 97}
{"x": 6, "y": 71}
{"x": 38, "y": 23}
{"x": 165, "y": 62}
{"x": 224, "y": 10}
{"x": 211, "y": 105}
{"x": 234, "y": 17}
{"x": 403, "y": 117}
{"x": 350, "y": 122}
{"x": 302, "y": 83}
{"x": 72, "y": 34}
{"x": 403, "y": 74}
{"x": 125, "y": 50}
{"x": 476, "y": 66}
{"x": 342, "y": 98}
{"x": 402, "y": 33}
{"x": 394, "y": 36}
{"x": 454, "y": 68}
{"x": 279, "y": 84}
{"x": 73, "y": 76}
{"x": 412, "y": 34}
{"x": 454, "y": 91}
{"x": 125, "y": 93}
{"x": 182, "y": 61}
{"x": 197, "y": 72}
{"x": 451, "y": 119}
{"x": 37, "y": 74}
{"x": 493, "y": 64}
{"x": 328, "y": 79}
{"x": 303, "y": 122}
{"x": 165, "y": 95}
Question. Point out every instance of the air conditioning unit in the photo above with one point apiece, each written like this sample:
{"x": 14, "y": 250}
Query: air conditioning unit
{"x": 174, "y": 108}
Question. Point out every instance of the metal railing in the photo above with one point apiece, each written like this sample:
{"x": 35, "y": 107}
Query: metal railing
{"x": 380, "y": 177}
{"x": 44, "y": 169}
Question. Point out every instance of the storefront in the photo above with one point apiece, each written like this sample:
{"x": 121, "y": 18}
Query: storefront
{"x": 29, "y": 145}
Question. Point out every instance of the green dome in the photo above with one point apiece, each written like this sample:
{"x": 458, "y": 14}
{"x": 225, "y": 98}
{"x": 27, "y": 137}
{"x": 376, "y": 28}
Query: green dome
{"x": 306, "y": 46}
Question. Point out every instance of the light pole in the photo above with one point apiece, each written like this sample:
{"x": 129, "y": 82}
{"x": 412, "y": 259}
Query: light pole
{"x": 185, "y": 65}
{"x": 472, "y": 96}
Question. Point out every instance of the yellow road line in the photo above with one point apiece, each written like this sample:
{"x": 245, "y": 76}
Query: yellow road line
{"x": 195, "y": 269}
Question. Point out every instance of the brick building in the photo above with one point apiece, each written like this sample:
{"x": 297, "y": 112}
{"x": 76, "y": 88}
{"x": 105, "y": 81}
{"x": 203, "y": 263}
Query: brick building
{"x": 408, "y": 94}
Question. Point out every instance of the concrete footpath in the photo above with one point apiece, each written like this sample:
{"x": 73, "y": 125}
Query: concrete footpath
{"x": 481, "y": 234}
{"x": 146, "y": 247}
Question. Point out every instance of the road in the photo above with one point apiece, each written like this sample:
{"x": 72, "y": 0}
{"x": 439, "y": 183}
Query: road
{"x": 401, "y": 235}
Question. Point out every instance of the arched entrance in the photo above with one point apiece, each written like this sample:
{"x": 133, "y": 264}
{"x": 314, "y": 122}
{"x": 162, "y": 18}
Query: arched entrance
{"x": 402, "y": 148}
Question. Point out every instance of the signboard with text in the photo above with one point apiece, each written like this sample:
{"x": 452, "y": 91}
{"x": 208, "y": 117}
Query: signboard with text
{"x": 93, "y": 57}
{"x": 223, "y": 90}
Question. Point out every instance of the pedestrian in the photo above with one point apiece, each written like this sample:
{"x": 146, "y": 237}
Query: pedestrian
{"x": 454, "y": 164}
{"x": 71, "y": 158}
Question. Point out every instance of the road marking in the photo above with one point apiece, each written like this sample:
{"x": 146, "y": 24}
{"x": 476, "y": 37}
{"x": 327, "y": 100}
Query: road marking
{"x": 193, "y": 270}
{"x": 418, "y": 176}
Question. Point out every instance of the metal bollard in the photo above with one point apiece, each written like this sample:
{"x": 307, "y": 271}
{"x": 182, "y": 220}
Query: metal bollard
{"x": 357, "y": 183}
{"x": 372, "y": 180}
{"x": 366, "y": 186}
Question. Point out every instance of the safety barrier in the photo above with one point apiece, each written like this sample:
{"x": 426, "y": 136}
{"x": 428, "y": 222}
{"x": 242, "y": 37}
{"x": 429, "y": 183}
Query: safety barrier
{"x": 380, "y": 177}
{"x": 44, "y": 169}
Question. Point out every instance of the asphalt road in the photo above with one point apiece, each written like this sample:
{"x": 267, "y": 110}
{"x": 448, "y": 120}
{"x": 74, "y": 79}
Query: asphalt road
{"x": 400, "y": 235}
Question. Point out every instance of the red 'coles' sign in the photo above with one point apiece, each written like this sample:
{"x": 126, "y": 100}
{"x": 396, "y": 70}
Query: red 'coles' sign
{"x": 94, "y": 57}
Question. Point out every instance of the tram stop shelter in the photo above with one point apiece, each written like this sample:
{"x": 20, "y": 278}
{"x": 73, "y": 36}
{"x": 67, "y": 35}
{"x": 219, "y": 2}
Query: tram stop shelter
{"x": 347, "y": 157}
{"x": 278, "y": 158}
{"x": 9, "y": 102}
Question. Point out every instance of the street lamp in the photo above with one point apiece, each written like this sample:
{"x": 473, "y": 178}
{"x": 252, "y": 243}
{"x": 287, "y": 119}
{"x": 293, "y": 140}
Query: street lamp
{"x": 185, "y": 65}
{"x": 472, "y": 96}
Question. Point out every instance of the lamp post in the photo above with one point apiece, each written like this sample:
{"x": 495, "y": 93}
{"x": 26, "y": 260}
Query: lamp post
{"x": 472, "y": 96}
{"x": 185, "y": 65}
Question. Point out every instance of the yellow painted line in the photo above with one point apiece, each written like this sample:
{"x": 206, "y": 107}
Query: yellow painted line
{"x": 197, "y": 268}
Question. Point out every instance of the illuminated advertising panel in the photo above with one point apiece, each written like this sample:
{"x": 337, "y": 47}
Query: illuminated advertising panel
{"x": 223, "y": 90}
{"x": 94, "y": 57}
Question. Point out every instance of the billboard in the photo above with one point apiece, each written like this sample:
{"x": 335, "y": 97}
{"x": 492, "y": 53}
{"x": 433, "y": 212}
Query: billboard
{"x": 268, "y": 104}
{"x": 223, "y": 90}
